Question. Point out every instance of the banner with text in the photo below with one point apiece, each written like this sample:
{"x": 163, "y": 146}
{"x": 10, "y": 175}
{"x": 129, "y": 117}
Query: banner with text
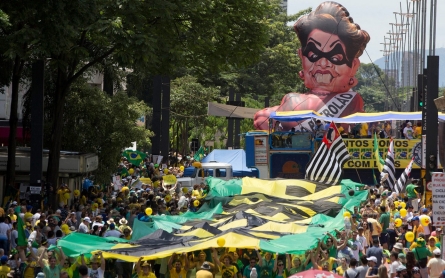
{"x": 362, "y": 155}
{"x": 438, "y": 190}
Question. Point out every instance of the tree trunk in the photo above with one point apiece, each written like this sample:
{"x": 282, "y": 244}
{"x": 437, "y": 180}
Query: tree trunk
{"x": 52, "y": 172}
{"x": 13, "y": 120}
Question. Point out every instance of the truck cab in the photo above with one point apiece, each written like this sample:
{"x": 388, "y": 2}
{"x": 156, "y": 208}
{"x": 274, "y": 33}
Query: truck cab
{"x": 208, "y": 169}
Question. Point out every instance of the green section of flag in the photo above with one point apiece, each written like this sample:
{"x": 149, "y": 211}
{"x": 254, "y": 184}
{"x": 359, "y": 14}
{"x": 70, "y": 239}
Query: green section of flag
{"x": 373, "y": 177}
{"x": 21, "y": 239}
{"x": 199, "y": 154}
{"x": 378, "y": 159}
{"x": 134, "y": 157}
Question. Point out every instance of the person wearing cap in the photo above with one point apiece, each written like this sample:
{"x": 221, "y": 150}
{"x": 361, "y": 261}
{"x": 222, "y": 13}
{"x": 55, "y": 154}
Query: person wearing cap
{"x": 408, "y": 131}
{"x": 402, "y": 258}
{"x": 123, "y": 224}
{"x": 417, "y": 228}
{"x": 319, "y": 128}
{"x": 421, "y": 253}
{"x": 95, "y": 271}
{"x": 412, "y": 194}
{"x": 112, "y": 232}
{"x": 178, "y": 271}
{"x": 432, "y": 241}
{"x": 397, "y": 248}
{"x": 402, "y": 272}
{"x": 436, "y": 265}
{"x": 4, "y": 268}
{"x": 28, "y": 261}
{"x": 54, "y": 266}
{"x": 206, "y": 271}
{"x": 143, "y": 269}
{"x": 227, "y": 269}
{"x": 372, "y": 266}
{"x": 84, "y": 226}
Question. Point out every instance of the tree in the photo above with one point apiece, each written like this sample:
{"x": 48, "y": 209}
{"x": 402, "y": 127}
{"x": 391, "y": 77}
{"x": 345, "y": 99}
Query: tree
{"x": 373, "y": 85}
{"x": 188, "y": 106}
{"x": 101, "y": 124}
{"x": 17, "y": 37}
{"x": 276, "y": 72}
{"x": 273, "y": 75}
{"x": 152, "y": 36}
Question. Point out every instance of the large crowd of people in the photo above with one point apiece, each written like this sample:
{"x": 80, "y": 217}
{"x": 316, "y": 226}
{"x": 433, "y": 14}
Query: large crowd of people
{"x": 388, "y": 236}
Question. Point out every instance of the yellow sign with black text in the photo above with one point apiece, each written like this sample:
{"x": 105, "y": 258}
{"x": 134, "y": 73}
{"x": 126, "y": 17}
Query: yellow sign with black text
{"x": 169, "y": 179}
{"x": 362, "y": 152}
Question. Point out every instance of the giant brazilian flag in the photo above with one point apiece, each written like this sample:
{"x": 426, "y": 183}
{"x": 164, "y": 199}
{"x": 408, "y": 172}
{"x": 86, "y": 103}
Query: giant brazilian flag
{"x": 278, "y": 216}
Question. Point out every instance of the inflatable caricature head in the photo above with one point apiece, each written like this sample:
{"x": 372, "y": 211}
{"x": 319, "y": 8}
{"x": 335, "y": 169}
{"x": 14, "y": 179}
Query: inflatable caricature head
{"x": 330, "y": 46}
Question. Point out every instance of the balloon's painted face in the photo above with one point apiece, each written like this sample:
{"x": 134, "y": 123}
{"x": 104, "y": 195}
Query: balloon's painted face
{"x": 326, "y": 67}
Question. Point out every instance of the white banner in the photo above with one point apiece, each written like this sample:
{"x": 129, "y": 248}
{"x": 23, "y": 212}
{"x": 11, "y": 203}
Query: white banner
{"x": 438, "y": 190}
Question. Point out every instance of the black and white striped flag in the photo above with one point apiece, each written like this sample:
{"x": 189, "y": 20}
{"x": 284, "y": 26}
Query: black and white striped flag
{"x": 400, "y": 186}
{"x": 326, "y": 165}
{"x": 388, "y": 175}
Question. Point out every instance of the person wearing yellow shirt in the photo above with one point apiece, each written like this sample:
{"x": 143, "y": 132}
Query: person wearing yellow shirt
{"x": 12, "y": 215}
{"x": 69, "y": 268}
{"x": 28, "y": 262}
{"x": 417, "y": 228}
{"x": 418, "y": 130}
{"x": 61, "y": 192}
{"x": 143, "y": 269}
{"x": 376, "y": 227}
{"x": 227, "y": 269}
{"x": 432, "y": 245}
{"x": 196, "y": 192}
{"x": 364, "y": 130}
{"x": 177, "y": 270}
{"x": 127, "y": 233}
{"x": 343, "y": 267}
{"x": 4, "y": 268}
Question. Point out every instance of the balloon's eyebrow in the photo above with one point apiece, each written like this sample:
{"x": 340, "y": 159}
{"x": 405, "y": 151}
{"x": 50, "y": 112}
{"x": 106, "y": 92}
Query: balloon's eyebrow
{"x": 316, "y": 42}
{"x": 332, "y": 44}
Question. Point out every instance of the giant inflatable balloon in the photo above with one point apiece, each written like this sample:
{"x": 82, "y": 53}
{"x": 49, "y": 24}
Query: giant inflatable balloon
{"x": 331, "y": 44}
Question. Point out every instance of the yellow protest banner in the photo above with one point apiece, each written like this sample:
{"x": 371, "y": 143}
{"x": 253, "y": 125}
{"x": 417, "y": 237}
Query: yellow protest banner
{"x": 362, "y": 152}
{"x": 169, "y": 179}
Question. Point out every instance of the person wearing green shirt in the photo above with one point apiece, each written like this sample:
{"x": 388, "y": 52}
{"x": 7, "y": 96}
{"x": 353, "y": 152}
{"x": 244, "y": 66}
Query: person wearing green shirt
{"x": 384, "y": 221}
{"x": 412, "y": 193}
{"x": 54, "y": 266}
{"x": 421, "y": 253}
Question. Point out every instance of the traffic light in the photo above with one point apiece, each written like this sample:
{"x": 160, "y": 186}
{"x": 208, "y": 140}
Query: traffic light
{"x": 420, "y": 99}
{"x": 432, "y": 163}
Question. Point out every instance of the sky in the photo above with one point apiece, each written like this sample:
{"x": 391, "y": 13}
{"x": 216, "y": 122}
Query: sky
{"x": 374, "y": 16}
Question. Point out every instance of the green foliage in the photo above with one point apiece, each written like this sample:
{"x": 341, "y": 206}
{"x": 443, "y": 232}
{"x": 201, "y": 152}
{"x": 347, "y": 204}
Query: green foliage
{"x": 4, "y": 20}
{"x": 372, "y": 88}
{"x": 103, "y": 125}
{"x": 273, "y": 75}
{"x": 188, "y": 106}
{"x": 276, "y": 72}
